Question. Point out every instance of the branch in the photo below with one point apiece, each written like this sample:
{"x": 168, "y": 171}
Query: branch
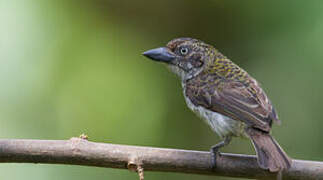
{"x": 77, "y": 151}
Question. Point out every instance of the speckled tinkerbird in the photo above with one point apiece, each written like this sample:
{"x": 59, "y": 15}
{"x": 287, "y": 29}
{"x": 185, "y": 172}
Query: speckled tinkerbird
{"x": 230, "y": 101}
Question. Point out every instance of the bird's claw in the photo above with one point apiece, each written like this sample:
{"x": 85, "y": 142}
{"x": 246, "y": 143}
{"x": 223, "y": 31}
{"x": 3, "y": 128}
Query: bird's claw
{"x": 214, "y": 156}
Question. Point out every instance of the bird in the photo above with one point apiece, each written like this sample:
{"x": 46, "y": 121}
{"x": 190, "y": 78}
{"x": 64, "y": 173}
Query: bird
{"x": 230, "y": 101}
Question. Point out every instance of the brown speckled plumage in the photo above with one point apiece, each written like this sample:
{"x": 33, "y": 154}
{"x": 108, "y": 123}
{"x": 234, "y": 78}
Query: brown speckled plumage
{"x": 226, "y": 96}
{"x": 237, "y": 97}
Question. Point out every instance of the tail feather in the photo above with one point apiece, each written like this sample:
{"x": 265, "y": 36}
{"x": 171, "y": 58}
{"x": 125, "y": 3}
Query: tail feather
{"x": 270, "y": 155}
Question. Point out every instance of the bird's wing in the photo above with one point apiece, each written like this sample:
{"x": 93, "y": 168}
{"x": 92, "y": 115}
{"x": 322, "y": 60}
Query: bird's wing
{"x": 239, "y": 101}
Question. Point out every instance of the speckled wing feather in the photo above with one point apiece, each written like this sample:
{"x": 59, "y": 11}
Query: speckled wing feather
{"x": 238, "y": 100}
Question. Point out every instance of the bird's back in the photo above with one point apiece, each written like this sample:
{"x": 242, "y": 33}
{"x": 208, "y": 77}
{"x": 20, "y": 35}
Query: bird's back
{"x": 225, "y": 88}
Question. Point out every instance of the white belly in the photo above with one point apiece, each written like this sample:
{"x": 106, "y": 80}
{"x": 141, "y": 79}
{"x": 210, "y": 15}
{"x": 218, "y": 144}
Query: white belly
{"x": 222, "y": 125}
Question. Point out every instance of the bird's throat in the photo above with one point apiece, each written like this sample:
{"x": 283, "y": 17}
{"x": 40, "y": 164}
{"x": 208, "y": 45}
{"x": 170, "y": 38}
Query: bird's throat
{"x": 178, "y": 71}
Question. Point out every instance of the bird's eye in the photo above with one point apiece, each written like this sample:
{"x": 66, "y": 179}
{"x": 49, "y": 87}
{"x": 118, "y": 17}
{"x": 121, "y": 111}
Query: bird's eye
{"x": 184, "y": 51}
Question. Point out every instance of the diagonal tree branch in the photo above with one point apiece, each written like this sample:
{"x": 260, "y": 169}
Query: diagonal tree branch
{"x": 77, "y": 151}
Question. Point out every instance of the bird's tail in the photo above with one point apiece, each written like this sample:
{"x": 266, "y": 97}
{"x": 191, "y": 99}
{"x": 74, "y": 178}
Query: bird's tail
{"x": 270, "y": 155}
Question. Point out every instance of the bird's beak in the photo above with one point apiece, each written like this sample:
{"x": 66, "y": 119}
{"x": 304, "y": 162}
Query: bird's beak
{"x": 162, "y": 54}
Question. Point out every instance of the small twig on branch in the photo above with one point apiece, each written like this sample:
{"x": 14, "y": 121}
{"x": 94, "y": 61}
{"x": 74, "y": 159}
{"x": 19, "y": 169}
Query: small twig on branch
{"x": 77, "y": 151}
{"x": 135, "y": 164}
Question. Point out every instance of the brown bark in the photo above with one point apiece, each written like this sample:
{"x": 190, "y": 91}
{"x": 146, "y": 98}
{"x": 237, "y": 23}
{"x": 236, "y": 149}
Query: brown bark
{"x": 78, "y": 151}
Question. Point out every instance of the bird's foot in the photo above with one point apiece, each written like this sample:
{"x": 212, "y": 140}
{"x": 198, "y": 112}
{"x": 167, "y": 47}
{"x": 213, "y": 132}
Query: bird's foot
{"x": 215, "y": 153}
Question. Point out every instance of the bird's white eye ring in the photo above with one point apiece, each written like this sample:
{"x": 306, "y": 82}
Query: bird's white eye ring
{"x": 184, "y": 51}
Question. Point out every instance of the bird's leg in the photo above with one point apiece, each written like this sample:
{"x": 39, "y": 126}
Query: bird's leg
{"x": 215, "y": 150}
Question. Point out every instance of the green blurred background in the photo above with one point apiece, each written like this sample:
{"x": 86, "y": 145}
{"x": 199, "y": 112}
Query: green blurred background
{"x": 72, "y": 67}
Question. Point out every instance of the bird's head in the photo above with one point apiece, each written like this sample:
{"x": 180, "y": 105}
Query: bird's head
{"x": 186, "y": 57}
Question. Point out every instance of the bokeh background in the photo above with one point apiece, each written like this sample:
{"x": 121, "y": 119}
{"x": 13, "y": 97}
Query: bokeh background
{"x": 72, "y": 67}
